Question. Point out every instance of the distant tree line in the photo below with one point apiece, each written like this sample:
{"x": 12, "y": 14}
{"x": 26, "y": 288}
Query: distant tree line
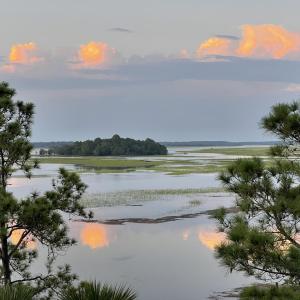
{"x": 49, "y": 144}
{"x": 112, "y": 147}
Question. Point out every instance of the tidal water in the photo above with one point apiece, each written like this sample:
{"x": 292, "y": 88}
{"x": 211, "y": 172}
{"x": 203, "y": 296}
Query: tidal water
{"x": 169, "y": 260}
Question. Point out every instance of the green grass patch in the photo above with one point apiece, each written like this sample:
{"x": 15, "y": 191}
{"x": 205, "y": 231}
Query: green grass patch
{"x": 100, "y": 163}
{"x": 247, "y": 151}
{"x": 194, "y": 169}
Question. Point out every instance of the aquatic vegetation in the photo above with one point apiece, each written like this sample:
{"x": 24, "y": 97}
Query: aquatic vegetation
{"x": 193, "y": 169}
{"x": 100, "y": 162}
{"x": 247, "y": 151}
{"x": 173, "y": 164}
{"x": 195, "y": 202}
{"x": 132, "y": 197}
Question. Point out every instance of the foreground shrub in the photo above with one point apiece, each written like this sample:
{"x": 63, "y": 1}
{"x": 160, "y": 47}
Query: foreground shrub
{"x": 17, "y": 292}
{"x": 97, "y": 291}
{"x": 271, "y": 293}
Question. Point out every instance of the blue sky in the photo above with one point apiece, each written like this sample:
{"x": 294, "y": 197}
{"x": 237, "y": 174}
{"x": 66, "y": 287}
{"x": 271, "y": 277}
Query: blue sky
{"x": 170, "y": 70}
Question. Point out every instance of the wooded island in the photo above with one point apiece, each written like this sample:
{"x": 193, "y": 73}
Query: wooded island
{"x": 114, "y": 146}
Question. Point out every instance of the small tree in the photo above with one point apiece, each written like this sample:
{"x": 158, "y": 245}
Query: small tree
{"x": 43, "y": 152}
{"x": 263, "y": 239}
{"x": 36, "y": 218}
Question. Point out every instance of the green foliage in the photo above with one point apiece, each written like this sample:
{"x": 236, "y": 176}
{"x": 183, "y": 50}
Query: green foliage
{"x": 96, "y": 291}
{"x": 38, "y": 218}
{"x": 15, "y": 129}
{"x": 85, "y": 291}
{"x": 112, "y": 147}
{"x": 270, "y": 293}
{"x": 263, "y": 238}
{"x": 284, "y": 121}
{"x": 17, "y": 292}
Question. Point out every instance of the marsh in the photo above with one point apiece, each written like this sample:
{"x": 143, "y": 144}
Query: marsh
{"x": 150, "y": 227}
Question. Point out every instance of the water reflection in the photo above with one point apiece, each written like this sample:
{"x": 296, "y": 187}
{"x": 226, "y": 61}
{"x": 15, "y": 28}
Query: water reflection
{"x": 15, "y": 182}
{"x": 207, "y": 236}
{"x": 94, "y": 236}
{"x": 186, "y": 234}
{"x": 210, "y": 238}
{"x": 28, "y": 242}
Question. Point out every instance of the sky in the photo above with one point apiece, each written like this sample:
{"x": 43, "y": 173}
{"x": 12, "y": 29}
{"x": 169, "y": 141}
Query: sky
{"x": 166, "y": 69}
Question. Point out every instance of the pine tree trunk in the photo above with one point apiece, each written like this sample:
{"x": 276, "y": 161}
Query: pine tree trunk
{"x": 4, "y": 242}
{"x": 5, "y": 260}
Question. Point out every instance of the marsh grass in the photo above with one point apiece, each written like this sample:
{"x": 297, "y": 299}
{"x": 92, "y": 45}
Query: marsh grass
{"x": 100, "y": 162}
{"x": 121, "y": 165}
{"x": 167, "y": 164}
{"x": 193, "y": 169}
{"x": 241, "y": 151}
{"x": 194, "y": 202}
{"x": 135, "y": 197}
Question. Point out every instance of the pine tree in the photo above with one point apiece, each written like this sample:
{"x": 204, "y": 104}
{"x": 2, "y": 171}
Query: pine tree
{"x": 263, "y": 238}
{"x": 36, "y": 218}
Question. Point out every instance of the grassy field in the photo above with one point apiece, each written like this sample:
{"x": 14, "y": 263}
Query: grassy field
{"x": 249, "y": 151}
{"x": 101, "y": 163}
{"x": 193, "y": 169}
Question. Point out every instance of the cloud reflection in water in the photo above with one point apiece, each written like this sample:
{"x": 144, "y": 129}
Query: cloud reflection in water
{"x": 211, "y": 238}
{"x": 94, "y": 236}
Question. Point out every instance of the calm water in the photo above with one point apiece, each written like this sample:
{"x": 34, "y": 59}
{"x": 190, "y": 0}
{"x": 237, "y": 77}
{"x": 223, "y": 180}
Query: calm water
{"x": 112, "y": 182}
{"x": 172, "y": 260}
